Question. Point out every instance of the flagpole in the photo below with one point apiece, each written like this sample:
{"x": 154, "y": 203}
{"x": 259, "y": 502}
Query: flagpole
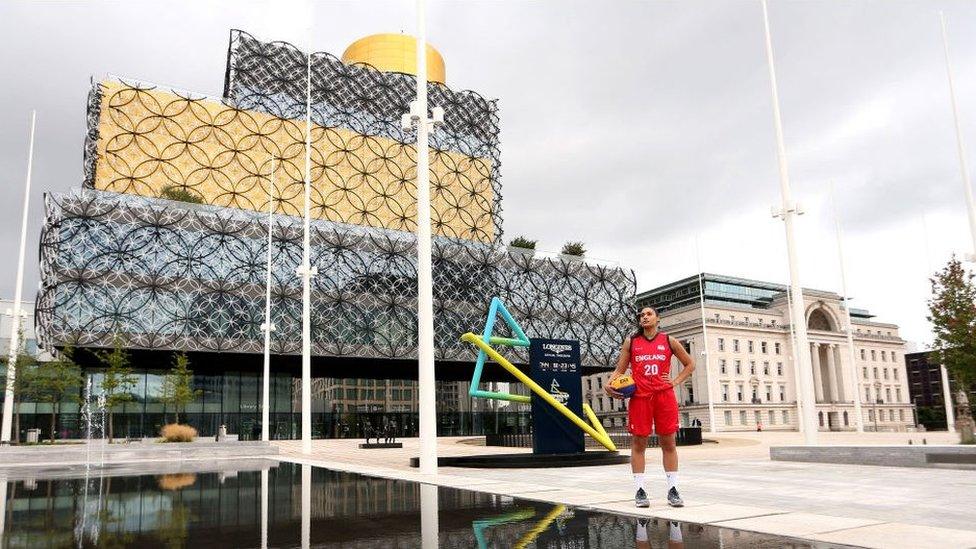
{"x": 8, "y": 401}
{"x": 855, "y": 386}
{"x": 267, "y": 327}
{"x": 960, "y": 147}
{"x": 712, "y": 427}
{"x": 787, "y": 211}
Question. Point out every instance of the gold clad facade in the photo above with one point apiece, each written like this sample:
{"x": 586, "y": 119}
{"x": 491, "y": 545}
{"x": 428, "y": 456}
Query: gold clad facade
{"x": 395, "y": 53}
{"x": 151, "y": 139}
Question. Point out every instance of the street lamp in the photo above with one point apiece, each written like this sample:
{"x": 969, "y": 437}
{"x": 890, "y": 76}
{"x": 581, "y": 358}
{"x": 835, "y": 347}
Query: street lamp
{"x": 417, "y": 118}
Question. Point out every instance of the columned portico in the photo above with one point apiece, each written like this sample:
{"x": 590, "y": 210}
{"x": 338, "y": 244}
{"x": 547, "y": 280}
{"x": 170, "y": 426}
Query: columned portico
{"x": 832, "y": 373}
{"x": 817, "y": 375}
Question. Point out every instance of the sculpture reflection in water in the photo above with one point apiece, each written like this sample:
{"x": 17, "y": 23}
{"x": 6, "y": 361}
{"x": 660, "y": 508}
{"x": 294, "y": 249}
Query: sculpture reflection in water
{"x": 263, "y": 504}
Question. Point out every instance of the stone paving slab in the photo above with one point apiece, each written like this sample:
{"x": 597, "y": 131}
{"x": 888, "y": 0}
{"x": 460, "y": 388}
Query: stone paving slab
{"x": 895, "y": 536}
{"x": 574, "y": 497}
{"x": 797, "y": 525}
{"x": 698, "y": 512}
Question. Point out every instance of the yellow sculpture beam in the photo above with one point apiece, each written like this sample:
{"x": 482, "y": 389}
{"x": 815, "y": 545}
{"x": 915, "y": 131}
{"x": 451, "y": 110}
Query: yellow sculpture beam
{"x": 599, "y": 435}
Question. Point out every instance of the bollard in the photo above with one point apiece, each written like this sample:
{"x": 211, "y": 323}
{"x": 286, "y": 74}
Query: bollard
{"x": 924, "y": 441}
{"x": 910, "y": 442}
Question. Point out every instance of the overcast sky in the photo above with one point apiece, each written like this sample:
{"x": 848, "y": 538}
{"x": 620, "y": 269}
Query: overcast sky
{"x": 632, "y": 126}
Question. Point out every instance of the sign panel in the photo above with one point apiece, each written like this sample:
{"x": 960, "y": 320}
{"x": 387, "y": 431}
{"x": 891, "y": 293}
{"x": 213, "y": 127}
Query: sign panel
{"x": 555, "y": 366}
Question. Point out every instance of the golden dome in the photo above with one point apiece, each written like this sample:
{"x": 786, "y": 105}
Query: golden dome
{"x": 395, "y": 53}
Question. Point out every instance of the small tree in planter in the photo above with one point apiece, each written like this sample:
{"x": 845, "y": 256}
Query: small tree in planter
{"x": 118, "y": 379}
{"x": 178, "y": 385}
{"x": 523, "y": 244}
{"x": 575, "y": 249}
{"x": 180, "y": 194}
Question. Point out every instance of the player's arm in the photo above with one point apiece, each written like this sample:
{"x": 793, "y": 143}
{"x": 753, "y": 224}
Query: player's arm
{"x": 687, "y": 362}
{"x": 622, "y": 362}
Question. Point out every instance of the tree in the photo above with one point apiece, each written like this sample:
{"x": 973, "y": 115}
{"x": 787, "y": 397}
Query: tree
{"x": 180, "y": 194}
{"x": 52, "y": 383}
{"x": 522, "y": 242}
{"x": 177, "y": 385}
{"x": 24, "y": 363}
{"x": 574, "y": 248}
{"x": 118, "y": 380}
{"x": 952, "y": 312}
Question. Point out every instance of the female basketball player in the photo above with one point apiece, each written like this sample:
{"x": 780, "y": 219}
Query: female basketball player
{"x": 648, "y": 354}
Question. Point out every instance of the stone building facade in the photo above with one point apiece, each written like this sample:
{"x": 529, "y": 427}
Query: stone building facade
{"x": 746, "y": 367}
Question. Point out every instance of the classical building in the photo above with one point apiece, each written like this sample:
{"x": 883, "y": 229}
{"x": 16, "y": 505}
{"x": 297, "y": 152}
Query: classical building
{"x": 746, "y": 367}
{"x": 163, "y": 247}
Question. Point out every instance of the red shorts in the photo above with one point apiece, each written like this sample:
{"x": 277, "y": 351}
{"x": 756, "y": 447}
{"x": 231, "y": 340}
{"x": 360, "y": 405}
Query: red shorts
{"x": 660, "y": 408}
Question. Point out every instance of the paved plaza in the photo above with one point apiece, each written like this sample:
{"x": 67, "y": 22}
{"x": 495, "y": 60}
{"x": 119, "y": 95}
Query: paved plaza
{"x": 730, "y": 482}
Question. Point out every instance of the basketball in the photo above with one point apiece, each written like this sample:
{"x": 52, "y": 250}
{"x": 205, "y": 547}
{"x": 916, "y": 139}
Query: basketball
{"x": 624, "y": 385}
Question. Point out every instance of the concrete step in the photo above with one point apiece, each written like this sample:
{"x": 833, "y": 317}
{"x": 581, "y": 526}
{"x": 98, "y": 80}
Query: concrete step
{"x": 121, "y": 452}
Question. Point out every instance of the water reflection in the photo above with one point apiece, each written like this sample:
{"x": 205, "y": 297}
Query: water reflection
{"x": 294, "y": 505}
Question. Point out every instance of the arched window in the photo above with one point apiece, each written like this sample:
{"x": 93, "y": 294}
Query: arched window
{"x": 819, "y": 321}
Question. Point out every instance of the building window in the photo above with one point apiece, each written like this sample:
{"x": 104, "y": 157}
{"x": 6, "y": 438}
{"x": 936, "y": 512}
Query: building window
{"x": 739, "y": 392}
{"x": 728, "y": 414}
{"x": 721, "y": 344}
{"x": 870, "y": 415}
{"x": 779, "y": 368}
{"x": 742, "y": 417}
{"x": 589, "y": 384}
{"x": 875, "y": 371}
{"x": 874, "y": 355}
{"x": 847, "y": 420}
{"x": 820, "y": 415}
{"x": 735, "y": 345}
{"x": 750, "y": 346}
{"x": 893, "y": 357}
{"x": 891, "y": 415}
{"x": 776, "y": 348}
{"x": 867, "y": 394}
{"x": 865, "y": 376}
{"x": 716, "y": 317}
{"x": 766, "y": 368}
{"x": 782, "y": 393}
{"x": 894, "y": 372}
{"x": 884, "y": 356}
{"x": 888, "y": 394}
{"x": 786, "y": 416}
{"x": 772, "y": 418}
{"x": 752, "y": 367}
{"x": 862, "y": 351}
{"x": 721, "y": 366}
{"x": 725, "y": 392}
{"x": 772, "y": 322}
{"x": 769, "y": 393}
{"x": 764, "y": 347}
{"x": 901, "y": 415}
{"x": 886, "y": 373}
{"x": 738, "y": 366}
{"x": 755, "y": 394}
{"x": 599, "y": 380}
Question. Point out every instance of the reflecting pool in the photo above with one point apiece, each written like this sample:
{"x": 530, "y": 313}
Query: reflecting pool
{"x": 287, "y": 505}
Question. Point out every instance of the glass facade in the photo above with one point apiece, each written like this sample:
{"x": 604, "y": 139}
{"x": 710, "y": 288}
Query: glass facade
{"x": 233, "y": 399}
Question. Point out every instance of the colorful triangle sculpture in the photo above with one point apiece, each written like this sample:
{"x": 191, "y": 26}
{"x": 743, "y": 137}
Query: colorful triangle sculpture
{"x": 486, "y": 351}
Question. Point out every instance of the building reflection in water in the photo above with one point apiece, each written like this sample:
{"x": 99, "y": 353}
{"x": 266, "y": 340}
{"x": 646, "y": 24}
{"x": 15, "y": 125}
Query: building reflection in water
{"x": 290, "y": 505}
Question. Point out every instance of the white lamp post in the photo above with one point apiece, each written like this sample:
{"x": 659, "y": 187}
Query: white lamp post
{"x": 307, "y": 272}
{"x": 267, "y": 327}
{"x": 8, "y": 402}
{"x": 787, "y": 211}
{"x": 417, "y": 118}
